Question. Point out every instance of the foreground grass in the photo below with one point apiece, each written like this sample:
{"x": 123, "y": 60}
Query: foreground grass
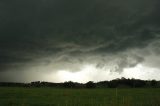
{"x": 78, "y": 97}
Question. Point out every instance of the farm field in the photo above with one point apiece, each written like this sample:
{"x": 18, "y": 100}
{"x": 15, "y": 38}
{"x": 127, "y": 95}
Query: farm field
{"x": 13, "y": 96}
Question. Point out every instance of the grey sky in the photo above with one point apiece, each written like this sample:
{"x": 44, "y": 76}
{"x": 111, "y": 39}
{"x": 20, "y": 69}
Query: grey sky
{"x": 41, "y": 37}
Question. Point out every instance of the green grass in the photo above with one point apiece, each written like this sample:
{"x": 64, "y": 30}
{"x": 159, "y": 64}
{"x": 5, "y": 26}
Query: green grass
{"x": 78, "y": 97}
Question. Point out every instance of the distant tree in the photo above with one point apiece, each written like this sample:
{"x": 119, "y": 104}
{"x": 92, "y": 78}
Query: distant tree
{"x": 139, "y": 83}
{"x": 36, "y": 84}
{"x": 113, "y": 84}
{"x": 69, "y": 84}
{"x": 153, "y": 83}
{"x": 102, "y": 84}
{"x": 90, "y": 84}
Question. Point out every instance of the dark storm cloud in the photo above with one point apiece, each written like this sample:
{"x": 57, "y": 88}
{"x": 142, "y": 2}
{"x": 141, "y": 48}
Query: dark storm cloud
{"x": 69, "y": 31}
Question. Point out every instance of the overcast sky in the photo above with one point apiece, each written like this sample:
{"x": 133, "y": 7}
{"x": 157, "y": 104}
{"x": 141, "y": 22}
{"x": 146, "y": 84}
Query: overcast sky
{"x": 79, "y": 40}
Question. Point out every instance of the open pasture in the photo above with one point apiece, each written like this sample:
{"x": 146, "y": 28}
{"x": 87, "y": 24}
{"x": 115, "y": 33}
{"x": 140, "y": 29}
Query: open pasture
{"x": 13, "y": 96}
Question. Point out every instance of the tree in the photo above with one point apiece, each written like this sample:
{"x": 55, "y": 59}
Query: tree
{"x": 153, "y": 83}
{"x": 90, "y": 84}
{"x": 36, "y": 84}
{"x": 69, "y": 84}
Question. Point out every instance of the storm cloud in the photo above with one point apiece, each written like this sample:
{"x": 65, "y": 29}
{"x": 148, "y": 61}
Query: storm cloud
{"x": 47, "y": 35}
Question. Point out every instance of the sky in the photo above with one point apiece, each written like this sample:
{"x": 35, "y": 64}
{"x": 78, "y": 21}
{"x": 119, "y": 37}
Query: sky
{"x": 79, "y": 40}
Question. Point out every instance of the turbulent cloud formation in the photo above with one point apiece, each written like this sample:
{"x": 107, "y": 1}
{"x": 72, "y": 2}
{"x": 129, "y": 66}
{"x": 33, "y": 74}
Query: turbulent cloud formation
{"x": 52, "y": 35}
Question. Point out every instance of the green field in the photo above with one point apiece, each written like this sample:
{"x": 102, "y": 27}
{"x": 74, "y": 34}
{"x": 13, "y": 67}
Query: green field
{"x": 79, "y": 97}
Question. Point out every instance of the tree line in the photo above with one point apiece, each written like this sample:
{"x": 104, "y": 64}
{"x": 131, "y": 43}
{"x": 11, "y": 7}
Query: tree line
{"x": 116, "y": 83}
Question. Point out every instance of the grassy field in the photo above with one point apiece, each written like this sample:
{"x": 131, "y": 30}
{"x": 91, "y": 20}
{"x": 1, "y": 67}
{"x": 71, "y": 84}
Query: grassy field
{"x": 78, "y": 97}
